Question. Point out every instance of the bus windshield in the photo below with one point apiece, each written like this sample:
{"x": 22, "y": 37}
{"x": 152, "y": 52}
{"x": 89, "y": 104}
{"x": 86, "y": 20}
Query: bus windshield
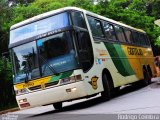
{"x": 25, "y": 62}
{"x": 39, "y": 27}
{"x": 55, "y": 54}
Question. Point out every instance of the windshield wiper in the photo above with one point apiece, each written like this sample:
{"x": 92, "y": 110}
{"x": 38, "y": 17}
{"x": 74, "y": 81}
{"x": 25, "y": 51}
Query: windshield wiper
{"x": 50, "y": 67}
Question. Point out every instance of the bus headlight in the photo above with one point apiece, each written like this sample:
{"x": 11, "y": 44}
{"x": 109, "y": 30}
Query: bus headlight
{"x": 71, "y": 79}
{"x": 21, "y": 91}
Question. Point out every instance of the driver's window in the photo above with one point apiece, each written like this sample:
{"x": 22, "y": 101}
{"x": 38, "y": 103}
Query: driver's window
{"x": 78, "y": 19}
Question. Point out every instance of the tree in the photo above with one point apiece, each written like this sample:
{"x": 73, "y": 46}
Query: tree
{"x": 7, "y": 97}
{"x": 131, "y": 12}
{"x": 5, "y": 17}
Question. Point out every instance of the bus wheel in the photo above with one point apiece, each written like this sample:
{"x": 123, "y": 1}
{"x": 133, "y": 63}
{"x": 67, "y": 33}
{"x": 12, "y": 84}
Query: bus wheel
{"x": 149, "y": 73}
{"x": 106, "y": 94}
{"x": 116, "y": 90}
{"x": 57, "y": 106}
{"x": 146, "y": 78}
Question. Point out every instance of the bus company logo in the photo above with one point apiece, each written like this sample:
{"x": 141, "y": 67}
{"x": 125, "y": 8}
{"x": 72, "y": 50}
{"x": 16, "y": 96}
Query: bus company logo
{"x": 93, "y": 82}
{"x": 134, "y": 51}
{"x": 102, "y": 52}
{"x": 27, "y": 85}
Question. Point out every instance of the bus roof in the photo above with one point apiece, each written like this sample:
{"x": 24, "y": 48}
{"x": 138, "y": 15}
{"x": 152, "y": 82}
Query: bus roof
{"x": 47, "y": 14}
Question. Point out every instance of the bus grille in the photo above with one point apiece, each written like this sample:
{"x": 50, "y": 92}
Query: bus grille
{"x": 46, "y": 85}
{"x": 51, "y": 83}
{"x": 35, "y": 87}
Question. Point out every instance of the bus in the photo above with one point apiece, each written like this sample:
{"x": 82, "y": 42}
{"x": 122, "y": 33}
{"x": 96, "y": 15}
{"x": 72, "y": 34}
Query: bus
{"x": 71, "y": 53}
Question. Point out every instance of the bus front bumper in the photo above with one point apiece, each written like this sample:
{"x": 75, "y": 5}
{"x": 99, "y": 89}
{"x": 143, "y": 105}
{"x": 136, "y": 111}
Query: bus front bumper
{"x": 52, "y": 95}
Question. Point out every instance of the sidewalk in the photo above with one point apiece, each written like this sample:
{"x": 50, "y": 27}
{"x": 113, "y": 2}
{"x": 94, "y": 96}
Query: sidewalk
{"x": 9, "y": 110}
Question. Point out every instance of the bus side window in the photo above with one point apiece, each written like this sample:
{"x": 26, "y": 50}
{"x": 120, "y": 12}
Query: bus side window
{"x": 120, "y": 33}
{"x": 109, "y": 31}
{"x": 78, "y": 19}
{"x": 142, "y": 39}
{"x": 96, "y": 27}
{"x": 136, "y": 37}
{"x": 129, "y": 36}
{"x": 147, "y": 40}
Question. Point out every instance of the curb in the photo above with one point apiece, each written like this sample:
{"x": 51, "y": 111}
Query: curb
{"x": 9, "y": 110}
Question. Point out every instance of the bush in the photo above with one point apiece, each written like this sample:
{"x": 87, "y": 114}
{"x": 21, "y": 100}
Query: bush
{"x": 7, "y": 96}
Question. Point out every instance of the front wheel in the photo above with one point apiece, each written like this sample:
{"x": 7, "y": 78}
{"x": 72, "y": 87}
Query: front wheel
{"x": 106, "y": 94}
{"x": 58, "y": 105}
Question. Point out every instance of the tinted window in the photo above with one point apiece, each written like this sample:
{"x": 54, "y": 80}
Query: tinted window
{"x": 147, "y": 40}
{"x": 109, "y": 31}
{"x": 95, "y": 26}
{"x": 78, "y": 19}
{"x": 56, "y": 53}
{"x": 136, "y": 37}
{"x": 119, "y": 33}
{"x": 128, "y": 35}
{"x": 142, "y": 39}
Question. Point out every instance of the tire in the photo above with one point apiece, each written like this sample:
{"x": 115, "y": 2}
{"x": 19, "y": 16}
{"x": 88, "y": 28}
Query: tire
{"x": 106, "y": 94}
{"x": 150, "y": 74}
{"x": 116, "y": 90}
{"x": 57, "y": 106}
{"x": 146, "y": 79}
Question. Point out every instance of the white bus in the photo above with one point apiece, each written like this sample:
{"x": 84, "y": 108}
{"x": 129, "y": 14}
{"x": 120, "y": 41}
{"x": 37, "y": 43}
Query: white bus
{"x": 71, "y": 53}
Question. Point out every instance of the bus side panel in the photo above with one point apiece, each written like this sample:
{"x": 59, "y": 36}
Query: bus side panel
{"x": 111, "y": 57}
{"x": 139, "y": 57}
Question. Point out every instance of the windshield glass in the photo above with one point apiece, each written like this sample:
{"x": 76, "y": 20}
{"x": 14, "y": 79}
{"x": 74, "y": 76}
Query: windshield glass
{"x": 39, "y": 27}
{"x": 57, "y": 53}
{"x": 25, "y": 62}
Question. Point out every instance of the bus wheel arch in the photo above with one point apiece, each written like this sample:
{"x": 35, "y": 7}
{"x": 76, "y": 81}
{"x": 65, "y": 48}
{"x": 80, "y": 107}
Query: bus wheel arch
{"x": 108, "y": 85}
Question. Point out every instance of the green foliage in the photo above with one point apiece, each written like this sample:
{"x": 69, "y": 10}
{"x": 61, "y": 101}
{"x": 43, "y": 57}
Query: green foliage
{"x": 5, "y": 69}
{"x": 22, "y": 12}
{"x": 158, "y": 41}
{"x": 7, "y": 98}
{"x": 134, "y": 13}
{"x": 5, "y": 17}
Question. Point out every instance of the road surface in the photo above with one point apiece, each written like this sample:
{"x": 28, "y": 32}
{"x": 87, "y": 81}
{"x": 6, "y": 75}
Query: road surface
{"x": 130, "y": 100}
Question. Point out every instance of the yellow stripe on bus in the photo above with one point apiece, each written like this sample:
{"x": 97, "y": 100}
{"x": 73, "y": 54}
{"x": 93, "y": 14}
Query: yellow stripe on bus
{"x": 33, "y": 83}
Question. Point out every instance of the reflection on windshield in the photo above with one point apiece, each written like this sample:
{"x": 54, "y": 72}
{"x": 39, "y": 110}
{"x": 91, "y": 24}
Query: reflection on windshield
{"x": 26, "y": 62}
{"x": 56, "y": 55}
{"x": 59, "y": 53}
